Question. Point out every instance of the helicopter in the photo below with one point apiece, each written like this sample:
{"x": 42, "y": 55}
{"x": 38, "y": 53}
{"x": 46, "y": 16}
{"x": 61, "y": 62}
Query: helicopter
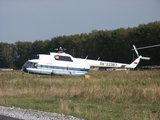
{"x": 61, "y": 63}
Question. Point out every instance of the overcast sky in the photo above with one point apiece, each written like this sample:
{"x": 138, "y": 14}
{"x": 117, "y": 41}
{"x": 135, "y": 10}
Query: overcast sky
{"x": 30, "y": 20}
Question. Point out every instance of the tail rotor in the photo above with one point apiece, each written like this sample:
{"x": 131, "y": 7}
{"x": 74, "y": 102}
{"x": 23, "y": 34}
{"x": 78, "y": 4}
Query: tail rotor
{"x": 136, "y": 61}
{"x": 144, "y": 58}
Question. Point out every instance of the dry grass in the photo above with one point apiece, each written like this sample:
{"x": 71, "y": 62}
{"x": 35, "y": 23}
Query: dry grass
{"x": 107, "y": 94}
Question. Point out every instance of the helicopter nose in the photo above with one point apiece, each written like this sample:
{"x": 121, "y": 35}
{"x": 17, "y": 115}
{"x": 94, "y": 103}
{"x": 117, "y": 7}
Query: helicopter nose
{"x": 24, "y": 69}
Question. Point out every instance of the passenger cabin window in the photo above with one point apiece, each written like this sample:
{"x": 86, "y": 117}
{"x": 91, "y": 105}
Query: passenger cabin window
{"x": 63, "y": 58}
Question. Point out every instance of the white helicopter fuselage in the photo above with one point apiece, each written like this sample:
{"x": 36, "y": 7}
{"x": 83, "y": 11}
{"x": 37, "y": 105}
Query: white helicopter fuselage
{"x": 65, "y": 64}
{"x": 55, "y": 63}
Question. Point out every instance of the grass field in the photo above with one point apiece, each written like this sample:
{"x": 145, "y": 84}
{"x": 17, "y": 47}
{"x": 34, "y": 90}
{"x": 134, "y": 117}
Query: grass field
{"x": 106, "y": 95}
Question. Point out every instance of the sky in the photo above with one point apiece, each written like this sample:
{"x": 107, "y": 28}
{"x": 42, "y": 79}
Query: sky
{"x": 30, "y": 20}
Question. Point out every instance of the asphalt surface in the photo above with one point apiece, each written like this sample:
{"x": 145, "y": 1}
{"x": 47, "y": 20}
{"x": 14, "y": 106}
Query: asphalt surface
{"x": 7, "y": 118}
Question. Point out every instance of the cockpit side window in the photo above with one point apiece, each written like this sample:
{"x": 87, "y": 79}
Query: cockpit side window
{"x": 34, "y": 65}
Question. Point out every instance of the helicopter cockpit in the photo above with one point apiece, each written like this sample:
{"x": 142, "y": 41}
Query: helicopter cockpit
{"x": 29, "y": 64}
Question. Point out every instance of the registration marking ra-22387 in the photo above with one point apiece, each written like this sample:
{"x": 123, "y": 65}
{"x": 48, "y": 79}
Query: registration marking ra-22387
{"x": 109, "y": 64}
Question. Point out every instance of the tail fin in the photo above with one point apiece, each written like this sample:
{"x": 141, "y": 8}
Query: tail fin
{"x": 136, "y": 62}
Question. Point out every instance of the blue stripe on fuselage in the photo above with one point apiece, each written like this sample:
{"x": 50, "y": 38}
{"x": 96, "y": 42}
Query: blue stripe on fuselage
{"x": 62, "y": 68}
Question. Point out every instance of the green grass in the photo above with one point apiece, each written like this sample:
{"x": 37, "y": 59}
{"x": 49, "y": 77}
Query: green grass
{"x": 106, "y": 95}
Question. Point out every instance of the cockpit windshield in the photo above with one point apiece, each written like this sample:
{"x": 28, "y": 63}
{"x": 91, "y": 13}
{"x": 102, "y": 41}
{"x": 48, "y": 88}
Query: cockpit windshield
{"x": 30, "y": 65}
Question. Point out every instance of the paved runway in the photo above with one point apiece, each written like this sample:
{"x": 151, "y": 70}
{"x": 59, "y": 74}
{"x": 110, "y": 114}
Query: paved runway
{"x": 7, "y": 118}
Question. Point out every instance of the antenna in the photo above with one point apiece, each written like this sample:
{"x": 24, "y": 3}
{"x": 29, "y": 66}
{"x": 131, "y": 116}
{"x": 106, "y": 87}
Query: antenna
{"x": 86, "y": 57}
{"x": 98, "y": 58}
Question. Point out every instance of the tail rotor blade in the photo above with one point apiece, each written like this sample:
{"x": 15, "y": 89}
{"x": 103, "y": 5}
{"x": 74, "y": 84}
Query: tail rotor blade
{"x": 136, "y": 50}
{"x": 145, "y": 58}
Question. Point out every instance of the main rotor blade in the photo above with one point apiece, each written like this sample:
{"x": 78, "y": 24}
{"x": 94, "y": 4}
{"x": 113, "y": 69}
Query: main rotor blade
{"x": 147, "y": 47}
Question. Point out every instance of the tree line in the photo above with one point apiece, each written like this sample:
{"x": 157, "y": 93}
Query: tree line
{"x": 110, "y": 45}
